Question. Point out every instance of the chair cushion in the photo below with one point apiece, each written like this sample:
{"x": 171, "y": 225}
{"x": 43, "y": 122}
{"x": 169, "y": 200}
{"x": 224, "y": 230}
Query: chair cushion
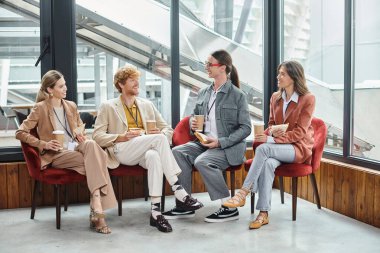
{"x": 126, "y": 170}
{"x": 60, "y": 176}
{"x": 247, "y": 164}
{"x": 293, "y": 170}
{"x": 287, "y": 169}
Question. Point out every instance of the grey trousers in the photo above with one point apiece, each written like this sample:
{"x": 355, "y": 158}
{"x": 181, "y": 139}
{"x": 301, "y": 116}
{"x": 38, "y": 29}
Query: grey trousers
{"x": 268, "y": 157}
{"x": 209, "y": 162}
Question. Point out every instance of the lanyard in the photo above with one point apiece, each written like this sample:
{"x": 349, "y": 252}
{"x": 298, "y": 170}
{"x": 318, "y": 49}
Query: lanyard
{"x": 64, "y": 126}
{"x": 213, "y": 103}
{"x": 136, "y": 120}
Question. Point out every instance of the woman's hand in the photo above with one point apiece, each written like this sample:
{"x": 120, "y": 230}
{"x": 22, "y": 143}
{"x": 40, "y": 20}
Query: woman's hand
{"x": 80, "y": 138}
{"x": 260, "y": 138}
{"x": 53, "y": 145}
{"x": 212, "y": 143}
{"x": 154, "y": 131}
{"x": 277, "y": 132}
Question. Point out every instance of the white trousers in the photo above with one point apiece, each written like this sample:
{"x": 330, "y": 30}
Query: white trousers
{"x": 153, "y": 153}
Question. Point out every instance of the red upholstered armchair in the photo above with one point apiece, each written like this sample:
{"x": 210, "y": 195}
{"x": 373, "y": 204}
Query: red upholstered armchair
{"x": 182, "y": 135}
{"x": 54, "y": 176}
{"x": 295, "y": 170}
{"x": 117, "y": 175}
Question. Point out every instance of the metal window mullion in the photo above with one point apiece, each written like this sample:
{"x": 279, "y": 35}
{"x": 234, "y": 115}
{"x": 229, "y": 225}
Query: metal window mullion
{"x": 175, "y": 68}
{"x": 271, "y": 51}
{"x": 349, "y": 46}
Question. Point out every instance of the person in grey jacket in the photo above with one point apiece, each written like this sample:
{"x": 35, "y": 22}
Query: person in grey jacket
{"x": 226, "y": 125}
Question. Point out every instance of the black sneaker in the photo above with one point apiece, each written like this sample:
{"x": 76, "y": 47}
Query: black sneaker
{"x": 176, "y": 213}
{"x": 223, "y": 214}
{"x": 188, "y": 204}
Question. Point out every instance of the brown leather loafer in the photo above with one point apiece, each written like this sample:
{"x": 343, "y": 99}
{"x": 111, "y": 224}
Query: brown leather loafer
{"x": 189, "y": 204}
{"x": 161, "y": 224}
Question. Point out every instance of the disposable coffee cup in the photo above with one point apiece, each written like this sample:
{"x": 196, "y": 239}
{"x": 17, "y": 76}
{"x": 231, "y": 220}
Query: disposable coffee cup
{"x": 59, "y": 135}
{"x": 258, "y": 127}
{"x": 136, "y": 129}
{"x": 200, "y": 122}
{"x": 150, "y": 125}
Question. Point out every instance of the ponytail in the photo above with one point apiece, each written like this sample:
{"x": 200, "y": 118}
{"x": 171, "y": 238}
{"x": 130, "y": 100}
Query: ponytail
{"x": 48, "y": 81}
{"x": 234, "y": 76}
{"x": 41, "y": 96}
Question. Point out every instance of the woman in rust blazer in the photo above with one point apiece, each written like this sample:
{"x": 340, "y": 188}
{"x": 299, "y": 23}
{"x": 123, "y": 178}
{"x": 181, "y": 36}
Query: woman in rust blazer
{"x": 51, "y": 113}
{"x": 294, "y": 105}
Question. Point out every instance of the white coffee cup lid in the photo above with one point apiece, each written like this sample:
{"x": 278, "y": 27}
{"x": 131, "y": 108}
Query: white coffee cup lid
{"x": 58, "y": 132}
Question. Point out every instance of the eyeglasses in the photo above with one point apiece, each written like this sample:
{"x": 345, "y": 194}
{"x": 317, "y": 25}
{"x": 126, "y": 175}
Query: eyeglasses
{"x": 209, "y": 64}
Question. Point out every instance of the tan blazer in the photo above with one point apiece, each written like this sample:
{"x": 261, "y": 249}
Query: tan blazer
{"x": 300, "y": 132}
{"x": 111, "y": 122}
{"x": 42, "y": 117}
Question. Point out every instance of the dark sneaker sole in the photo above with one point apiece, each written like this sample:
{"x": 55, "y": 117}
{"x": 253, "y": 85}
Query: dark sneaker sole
{"x": 222, "y": 220}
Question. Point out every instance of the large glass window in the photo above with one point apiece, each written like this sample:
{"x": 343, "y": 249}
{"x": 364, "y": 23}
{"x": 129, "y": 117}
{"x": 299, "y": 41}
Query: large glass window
{"x": 366, "y": 80}
{"x": 313, "y": 34}
{"x": 235, "y": 26}
{"x": 19, "y": 78}
{"x": 108, "y": 37}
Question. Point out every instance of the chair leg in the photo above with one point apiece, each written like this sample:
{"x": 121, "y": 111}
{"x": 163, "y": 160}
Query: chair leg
{"x": 58, "y": 205}
{"x": 145, "y": 185}
{"x": 232, "y": 174}
{"x": 163, "y": 194}
{"x": 120, "y": 195}
{"x": 252, "y": 202}
{"x": 315, "y": 188}
{"x": 294, "y": 197}
{"x": 66, "y": 197}
{"x": 35, "y": 192}
{"x": 281, "y": 179}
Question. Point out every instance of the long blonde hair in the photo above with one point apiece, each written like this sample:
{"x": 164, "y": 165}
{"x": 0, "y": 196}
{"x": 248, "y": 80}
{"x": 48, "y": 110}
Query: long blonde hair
{"x": 297, "y": 74}
{"x": 48, "y": 81}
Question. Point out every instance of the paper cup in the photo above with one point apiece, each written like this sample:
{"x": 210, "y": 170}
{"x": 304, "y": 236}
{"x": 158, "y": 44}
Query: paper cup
{"x": 150, "y": 125}
{"x": 258, "y": 127}
{"x": 200, "y": 122}
{"x": 59, "y": 135}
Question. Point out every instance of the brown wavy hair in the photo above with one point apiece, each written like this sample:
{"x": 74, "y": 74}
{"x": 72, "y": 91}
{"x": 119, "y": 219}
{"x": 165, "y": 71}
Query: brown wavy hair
{"x": 48, "y": 81}
{"x": 297, "y": 74}
{"x": 123, "y": 73}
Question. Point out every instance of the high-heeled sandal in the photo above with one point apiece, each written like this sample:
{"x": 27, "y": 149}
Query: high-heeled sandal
{"x": 236, "y": 201}
{"x": 94, "y": 220}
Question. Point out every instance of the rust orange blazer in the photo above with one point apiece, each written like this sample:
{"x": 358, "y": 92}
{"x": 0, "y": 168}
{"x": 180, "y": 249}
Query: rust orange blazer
{"x": 300, "y": 132}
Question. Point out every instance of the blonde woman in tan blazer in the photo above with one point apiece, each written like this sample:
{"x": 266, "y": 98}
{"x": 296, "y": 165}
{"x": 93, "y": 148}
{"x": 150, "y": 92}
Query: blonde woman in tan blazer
{"x": 293, "y": 104}
{"x": 52, "y": 112}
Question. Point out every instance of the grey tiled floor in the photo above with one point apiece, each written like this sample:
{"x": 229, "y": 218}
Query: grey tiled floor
{"x": 314, "y": 231}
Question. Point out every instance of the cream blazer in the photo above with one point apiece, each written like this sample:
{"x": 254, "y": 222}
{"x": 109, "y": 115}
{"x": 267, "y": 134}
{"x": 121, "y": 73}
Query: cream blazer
{"x": 112, "y": 121}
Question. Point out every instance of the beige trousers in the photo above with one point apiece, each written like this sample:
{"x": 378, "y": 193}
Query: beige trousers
{"x": 89, "y": 159}
{"x": 153, "y": 153}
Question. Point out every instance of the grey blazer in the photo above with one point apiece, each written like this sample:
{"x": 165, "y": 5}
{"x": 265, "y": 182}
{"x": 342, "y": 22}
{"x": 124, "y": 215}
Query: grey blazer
{"x": 232, "y": 119}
